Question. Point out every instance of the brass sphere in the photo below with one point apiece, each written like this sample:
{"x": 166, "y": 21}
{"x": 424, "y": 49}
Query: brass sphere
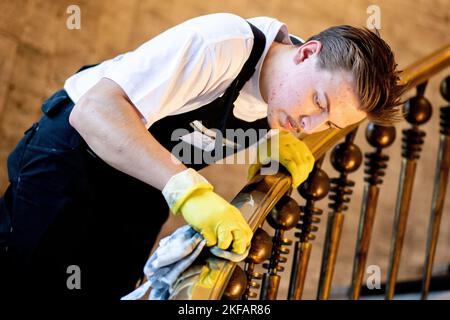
{"x": 380, "y": 136}
{"x": 346, "y": 157}
{"x": 285, "y": 214}
{"x": 261, "y": 247}
{"x": 445, "y": 88}
{"x": 418, "y": 110}
{"x": 317, "y": 185}
{"x": 236, "y": 286}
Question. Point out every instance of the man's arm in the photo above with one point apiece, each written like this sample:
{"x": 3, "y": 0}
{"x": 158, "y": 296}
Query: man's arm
{"x": 112, "y": 128}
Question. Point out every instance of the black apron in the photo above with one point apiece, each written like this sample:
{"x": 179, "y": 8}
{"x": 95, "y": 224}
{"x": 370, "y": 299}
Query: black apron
{"x": 65, "y": 206}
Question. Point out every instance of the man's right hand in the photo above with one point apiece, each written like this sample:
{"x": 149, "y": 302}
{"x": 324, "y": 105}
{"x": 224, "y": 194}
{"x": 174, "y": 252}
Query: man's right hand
{"x": 219, "y": 222}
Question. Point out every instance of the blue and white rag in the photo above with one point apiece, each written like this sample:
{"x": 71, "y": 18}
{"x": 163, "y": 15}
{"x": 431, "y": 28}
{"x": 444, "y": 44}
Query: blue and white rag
{"x": 175, "y": 253}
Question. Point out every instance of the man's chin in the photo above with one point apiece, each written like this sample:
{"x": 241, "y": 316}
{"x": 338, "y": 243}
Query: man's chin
{"x": 273, "y": 124}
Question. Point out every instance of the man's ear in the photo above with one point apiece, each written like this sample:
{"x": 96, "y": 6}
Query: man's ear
{"x": 307, "y": 50}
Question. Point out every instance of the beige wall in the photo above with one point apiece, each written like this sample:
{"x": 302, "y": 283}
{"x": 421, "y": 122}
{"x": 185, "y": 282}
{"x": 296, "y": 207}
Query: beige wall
{"x": 37, "y": 52}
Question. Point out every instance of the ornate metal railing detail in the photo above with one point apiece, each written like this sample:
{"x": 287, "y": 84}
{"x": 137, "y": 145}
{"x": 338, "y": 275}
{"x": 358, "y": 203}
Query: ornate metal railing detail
{"x": 284, "y": 216}
{"x": 376, "y": 162}
{"x": 236, "y": 286}
{"x": 418, "y": 112}
{"x": 346, "y": 158}
{"x": 440, "y": 185}
{"x": 260, "y": 251}
{"x": 313, "y": 189}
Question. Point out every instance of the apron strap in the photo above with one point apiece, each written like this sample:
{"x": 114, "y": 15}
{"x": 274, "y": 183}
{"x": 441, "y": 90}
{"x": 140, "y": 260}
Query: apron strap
{"x": 247, "y": 71}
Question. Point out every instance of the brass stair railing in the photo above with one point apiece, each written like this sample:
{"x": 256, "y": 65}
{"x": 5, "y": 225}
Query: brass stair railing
{"x": 268, "y": 197}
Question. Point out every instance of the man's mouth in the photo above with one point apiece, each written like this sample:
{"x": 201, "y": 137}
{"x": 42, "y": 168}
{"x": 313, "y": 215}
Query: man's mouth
{"x": 290, "y": 125}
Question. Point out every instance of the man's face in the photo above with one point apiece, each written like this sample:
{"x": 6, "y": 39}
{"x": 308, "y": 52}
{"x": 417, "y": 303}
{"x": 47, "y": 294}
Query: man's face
{"x": 309, "y": 99}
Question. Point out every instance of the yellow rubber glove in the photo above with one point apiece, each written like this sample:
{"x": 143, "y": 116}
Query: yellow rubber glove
{"x": 292, "y": 153}
{"x": 209, "y": 275}
{"x": 219, "y": 222}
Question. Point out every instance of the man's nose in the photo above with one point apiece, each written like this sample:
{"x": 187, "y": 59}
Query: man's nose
{"x": 313, "y": 122}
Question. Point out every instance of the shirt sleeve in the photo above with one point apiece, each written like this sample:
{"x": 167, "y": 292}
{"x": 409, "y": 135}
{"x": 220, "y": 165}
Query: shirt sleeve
{"x": 172, "y": 70}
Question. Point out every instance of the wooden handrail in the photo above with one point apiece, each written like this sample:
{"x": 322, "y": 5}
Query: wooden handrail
{"x": 261, "y": 194}
{"x": 425, "y": 68}
{"x": 254, "y": 201}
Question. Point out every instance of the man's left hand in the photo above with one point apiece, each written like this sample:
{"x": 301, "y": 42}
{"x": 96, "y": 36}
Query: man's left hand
{"x": 290, "y": 152}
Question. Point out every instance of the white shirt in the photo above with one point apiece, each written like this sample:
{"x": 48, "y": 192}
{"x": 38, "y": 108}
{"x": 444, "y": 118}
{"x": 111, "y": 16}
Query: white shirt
{"x": 187, "y": 67}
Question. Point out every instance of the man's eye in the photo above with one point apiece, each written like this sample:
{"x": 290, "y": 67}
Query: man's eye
{"x": 317, "y": 102}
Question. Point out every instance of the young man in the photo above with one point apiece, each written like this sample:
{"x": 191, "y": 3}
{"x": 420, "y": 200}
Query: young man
{"x": 92, "y": 181}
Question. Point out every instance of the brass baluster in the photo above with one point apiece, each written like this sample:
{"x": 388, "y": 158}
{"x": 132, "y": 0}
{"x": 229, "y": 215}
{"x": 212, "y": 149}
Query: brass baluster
{"x": 379, "y": 137}
{"x": 236, "y": 285}
{"x": 260, "y": 250}
{"x": 284, "y": 216}
{"x": 313, "y": 189}
{"x": 440, "y": 185}
{"x": 346, "y": 158}
{"x": 418, "y": 111}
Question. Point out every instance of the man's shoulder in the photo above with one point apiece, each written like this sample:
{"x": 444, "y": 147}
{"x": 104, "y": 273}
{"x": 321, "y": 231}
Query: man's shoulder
{"x": 213, "y": 19}
{"x": 226, "y": 20}
{"x": 218, "y": 26}
{"x": 222, "y": 26}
